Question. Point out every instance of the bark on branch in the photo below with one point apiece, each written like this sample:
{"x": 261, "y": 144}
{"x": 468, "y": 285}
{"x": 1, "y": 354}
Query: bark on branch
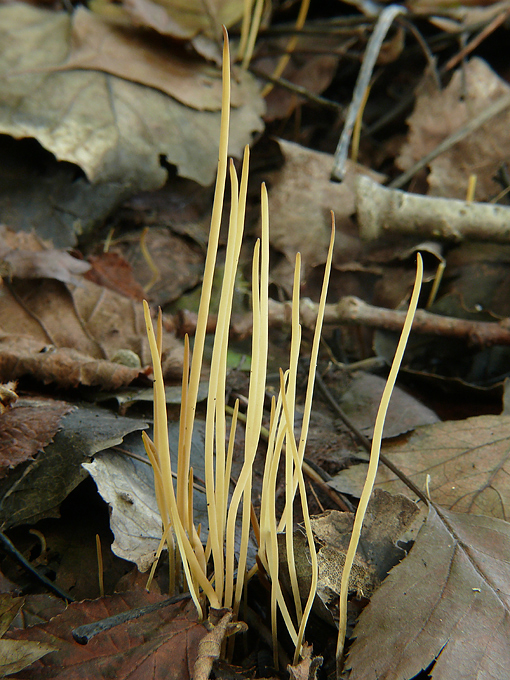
{"x": 353, "y": 311}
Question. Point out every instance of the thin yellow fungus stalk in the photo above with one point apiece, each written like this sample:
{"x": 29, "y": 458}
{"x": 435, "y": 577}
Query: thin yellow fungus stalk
{"x": 255, "y": 395}
{"x": 290, "y": 398}
{"x": 215, "y": 418}
{"x": 210, "y": 262}
{"x": 181, "y": 456}
{"x": 291, "y": 46}
{"x": 189, "y": 559}
{"x": 252, "y": 37}
{"x": 470, "y": 193}
{"x": 156, "y": 274}
{"x": 100, "y": 568}
{"x": 356, "y": 133}
{"x": 308, "y": 527}
{"x": 245, "y": 27}
{"x": 374, "y": 462}
{"x": 435, "y": 284}
{"x": 313, "y": 359}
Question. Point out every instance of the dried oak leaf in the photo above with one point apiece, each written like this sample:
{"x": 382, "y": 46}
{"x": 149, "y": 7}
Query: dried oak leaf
{"x": 115, "y": 130}
{"x": 76, "y": 336}
{"x": 467, "y": 461}
{"x": 27, "y": 427}
{"x": 446, "y": 604}
{"x": 161, "y": 645}
{"x": 438, "y": 114}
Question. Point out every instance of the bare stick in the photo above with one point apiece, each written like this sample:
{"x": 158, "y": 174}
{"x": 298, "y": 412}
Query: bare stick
{"x": 382, "y": 26}
{"x": 381, "y": 210}
{"x": 353, "y": 311}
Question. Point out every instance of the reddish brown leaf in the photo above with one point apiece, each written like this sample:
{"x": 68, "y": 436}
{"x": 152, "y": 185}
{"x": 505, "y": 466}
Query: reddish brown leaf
{"x": 161, "y": 645}
{"x": 112, "y": 271}
{"x": 27, "y": 428}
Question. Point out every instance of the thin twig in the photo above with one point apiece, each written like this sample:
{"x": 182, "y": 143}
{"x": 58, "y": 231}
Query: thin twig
{"x": 11, "y": 550}
{"x": 299, "y": 90}
{"x": 386, "y": 18}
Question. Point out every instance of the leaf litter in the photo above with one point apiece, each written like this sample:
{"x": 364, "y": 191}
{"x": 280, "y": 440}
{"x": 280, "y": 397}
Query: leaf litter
{"x": 444, "y": 605}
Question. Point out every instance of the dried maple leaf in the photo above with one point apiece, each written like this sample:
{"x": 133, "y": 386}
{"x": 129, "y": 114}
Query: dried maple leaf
{"x": 438, "y": 114}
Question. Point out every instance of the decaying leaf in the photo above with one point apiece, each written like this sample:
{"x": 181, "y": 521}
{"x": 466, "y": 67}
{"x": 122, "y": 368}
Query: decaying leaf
{"x": 16, "y": 654}
{"x": 446, "y": 604}
{"x": 361, "y": 401}
{"x": 35, "y": 490}
{"x": 307, "y": 667}
{"x": 307, "y": 227}
{"x": 161, "y": 645}
{"x": 76, "y": 336}
{"x": 389, "y": 520}
{"x": 98, "y": 45}
{"x": 127, "y": 485}
{"x": 438, "y": 114}
{"x": 179, "y": 19}
{"x": 21, "y": 355}
{"x": 24, "y": 256}
{"x": 467, "y": 460}
{"x": 27, "y": 428}
{"x": 115, "y": 130}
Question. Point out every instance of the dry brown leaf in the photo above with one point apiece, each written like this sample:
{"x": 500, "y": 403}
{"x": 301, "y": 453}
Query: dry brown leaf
{"x": 467, "y": 461}
{"x": 26, "y": 428}
{"x": 307, "y": 667}
{"x": 115, "y": 130}
{"x": 21, "y": 355}
{"x": 161, "y": 645}
{"x": 112, "y": 271}
{"x": 180, "y": 264}
{"x": 179, "y": 18}
{"x": 25, "y": 256}
{"x": 360, "y": 403}
{"x": 301, "y": 198}
{"x": 447, "y": 604}
{"x": 437, "y": 114}
{"x": 92, "y": 321}
{"x": 98, "y": 45}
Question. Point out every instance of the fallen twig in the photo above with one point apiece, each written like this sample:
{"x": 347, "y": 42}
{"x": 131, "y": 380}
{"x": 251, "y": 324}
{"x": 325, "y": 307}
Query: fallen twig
{"x": 353, "y": 311}
{"x": 384, "y": 21}
{"x": 381, "y": 210}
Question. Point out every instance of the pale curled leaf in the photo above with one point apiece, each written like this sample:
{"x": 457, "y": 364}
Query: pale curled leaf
{"x": 448, "y": 600}
{"x": 98, "y": 45}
